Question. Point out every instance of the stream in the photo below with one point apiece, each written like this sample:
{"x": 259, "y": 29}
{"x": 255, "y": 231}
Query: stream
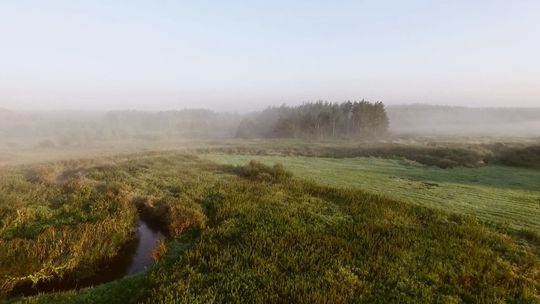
{"x": 134, "y": 257}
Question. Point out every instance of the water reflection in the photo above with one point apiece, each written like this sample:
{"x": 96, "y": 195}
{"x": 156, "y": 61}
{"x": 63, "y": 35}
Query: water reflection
{"x": 146, "y": 241}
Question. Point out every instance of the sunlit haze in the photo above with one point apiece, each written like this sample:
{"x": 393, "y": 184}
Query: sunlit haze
{"x": 246, "y": 55}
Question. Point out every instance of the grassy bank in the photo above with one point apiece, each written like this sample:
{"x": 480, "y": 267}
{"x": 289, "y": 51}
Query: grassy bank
{"x": 257, "y": 234}
{"x": 55, "y": 221}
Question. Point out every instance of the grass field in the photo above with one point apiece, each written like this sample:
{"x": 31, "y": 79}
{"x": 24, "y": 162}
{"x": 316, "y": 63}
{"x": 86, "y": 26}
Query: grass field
{"x": 253, "y": 234}
{"x": 503, "y": 195}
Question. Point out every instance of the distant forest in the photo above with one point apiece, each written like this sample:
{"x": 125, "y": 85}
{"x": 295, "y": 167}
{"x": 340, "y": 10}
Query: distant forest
{"x": 318, "y": 120}
{"x": 75, "y": 128}
{"x": 314, "y": 120}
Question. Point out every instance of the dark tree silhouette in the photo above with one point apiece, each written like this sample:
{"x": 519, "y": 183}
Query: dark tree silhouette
{"x": 319, "y": 120}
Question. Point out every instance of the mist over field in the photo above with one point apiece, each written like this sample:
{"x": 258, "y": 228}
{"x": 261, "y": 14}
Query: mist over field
{"x": 80, "y": 127}
{"x": 269, "y": 152}
{"x": 43, "y": 135}
{"x": 452, "y": 120}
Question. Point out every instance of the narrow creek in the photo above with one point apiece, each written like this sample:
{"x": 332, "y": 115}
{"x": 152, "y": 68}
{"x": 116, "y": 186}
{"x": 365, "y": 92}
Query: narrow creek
{"x": 133, "y": 258}
{"x": 148, "y": 237}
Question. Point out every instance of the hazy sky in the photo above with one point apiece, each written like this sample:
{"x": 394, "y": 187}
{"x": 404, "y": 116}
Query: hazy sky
{"x": 244, "y": 55}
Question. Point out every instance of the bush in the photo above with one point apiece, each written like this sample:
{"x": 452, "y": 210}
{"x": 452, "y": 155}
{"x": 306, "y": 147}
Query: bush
{"x": 257, "y": 171}
{"x": 528, "y": 157}
{"x": 431, "y": 156}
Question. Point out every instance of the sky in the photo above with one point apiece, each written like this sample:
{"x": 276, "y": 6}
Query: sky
{"x": 246, "y": 55}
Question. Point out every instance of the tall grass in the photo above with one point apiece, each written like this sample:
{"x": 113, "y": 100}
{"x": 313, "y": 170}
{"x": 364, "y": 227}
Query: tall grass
{"x": 256, "y": 234}
{"x": 51, "y": 227}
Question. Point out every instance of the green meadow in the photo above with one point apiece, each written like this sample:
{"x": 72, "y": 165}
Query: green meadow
{"x": 499, "y": 194}
{"x": 311, "y": 230}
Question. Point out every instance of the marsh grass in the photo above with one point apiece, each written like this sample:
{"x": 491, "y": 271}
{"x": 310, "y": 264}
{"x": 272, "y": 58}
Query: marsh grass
{"x": 53, "y": 225}
{"x": 256, "y": 234}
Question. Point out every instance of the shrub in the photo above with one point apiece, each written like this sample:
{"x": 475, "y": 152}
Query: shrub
{"x": 528, "y": 157}
{"x": 257, "y": 171}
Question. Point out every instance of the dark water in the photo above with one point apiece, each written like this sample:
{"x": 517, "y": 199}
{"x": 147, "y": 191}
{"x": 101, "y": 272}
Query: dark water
{"x": 147, "y": 239}
{"x": 134, "y": 257}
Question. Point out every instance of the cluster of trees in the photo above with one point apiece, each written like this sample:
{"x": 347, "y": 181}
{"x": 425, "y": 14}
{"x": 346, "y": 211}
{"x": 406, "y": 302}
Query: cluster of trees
{"x": 318, "y": 120}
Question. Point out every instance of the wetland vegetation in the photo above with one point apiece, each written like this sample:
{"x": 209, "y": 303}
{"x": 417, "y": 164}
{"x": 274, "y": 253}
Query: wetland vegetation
{"x": 242, "y": 230}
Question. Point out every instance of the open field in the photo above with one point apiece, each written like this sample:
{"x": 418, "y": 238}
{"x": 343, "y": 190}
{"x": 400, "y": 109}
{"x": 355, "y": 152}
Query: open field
{"x": 499, "y": 194}
{"x": 295, "y": 152}
{"x": 253, "y": 233}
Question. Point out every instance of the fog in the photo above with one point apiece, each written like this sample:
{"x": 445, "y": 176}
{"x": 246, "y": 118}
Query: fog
{"x": 445, "y": 120}
{"x": 84, "y": 128}
{"x": 99, "y": 75}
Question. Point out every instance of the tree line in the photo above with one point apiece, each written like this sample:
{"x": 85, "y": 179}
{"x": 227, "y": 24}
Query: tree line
{"x": 318, "y": 120}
